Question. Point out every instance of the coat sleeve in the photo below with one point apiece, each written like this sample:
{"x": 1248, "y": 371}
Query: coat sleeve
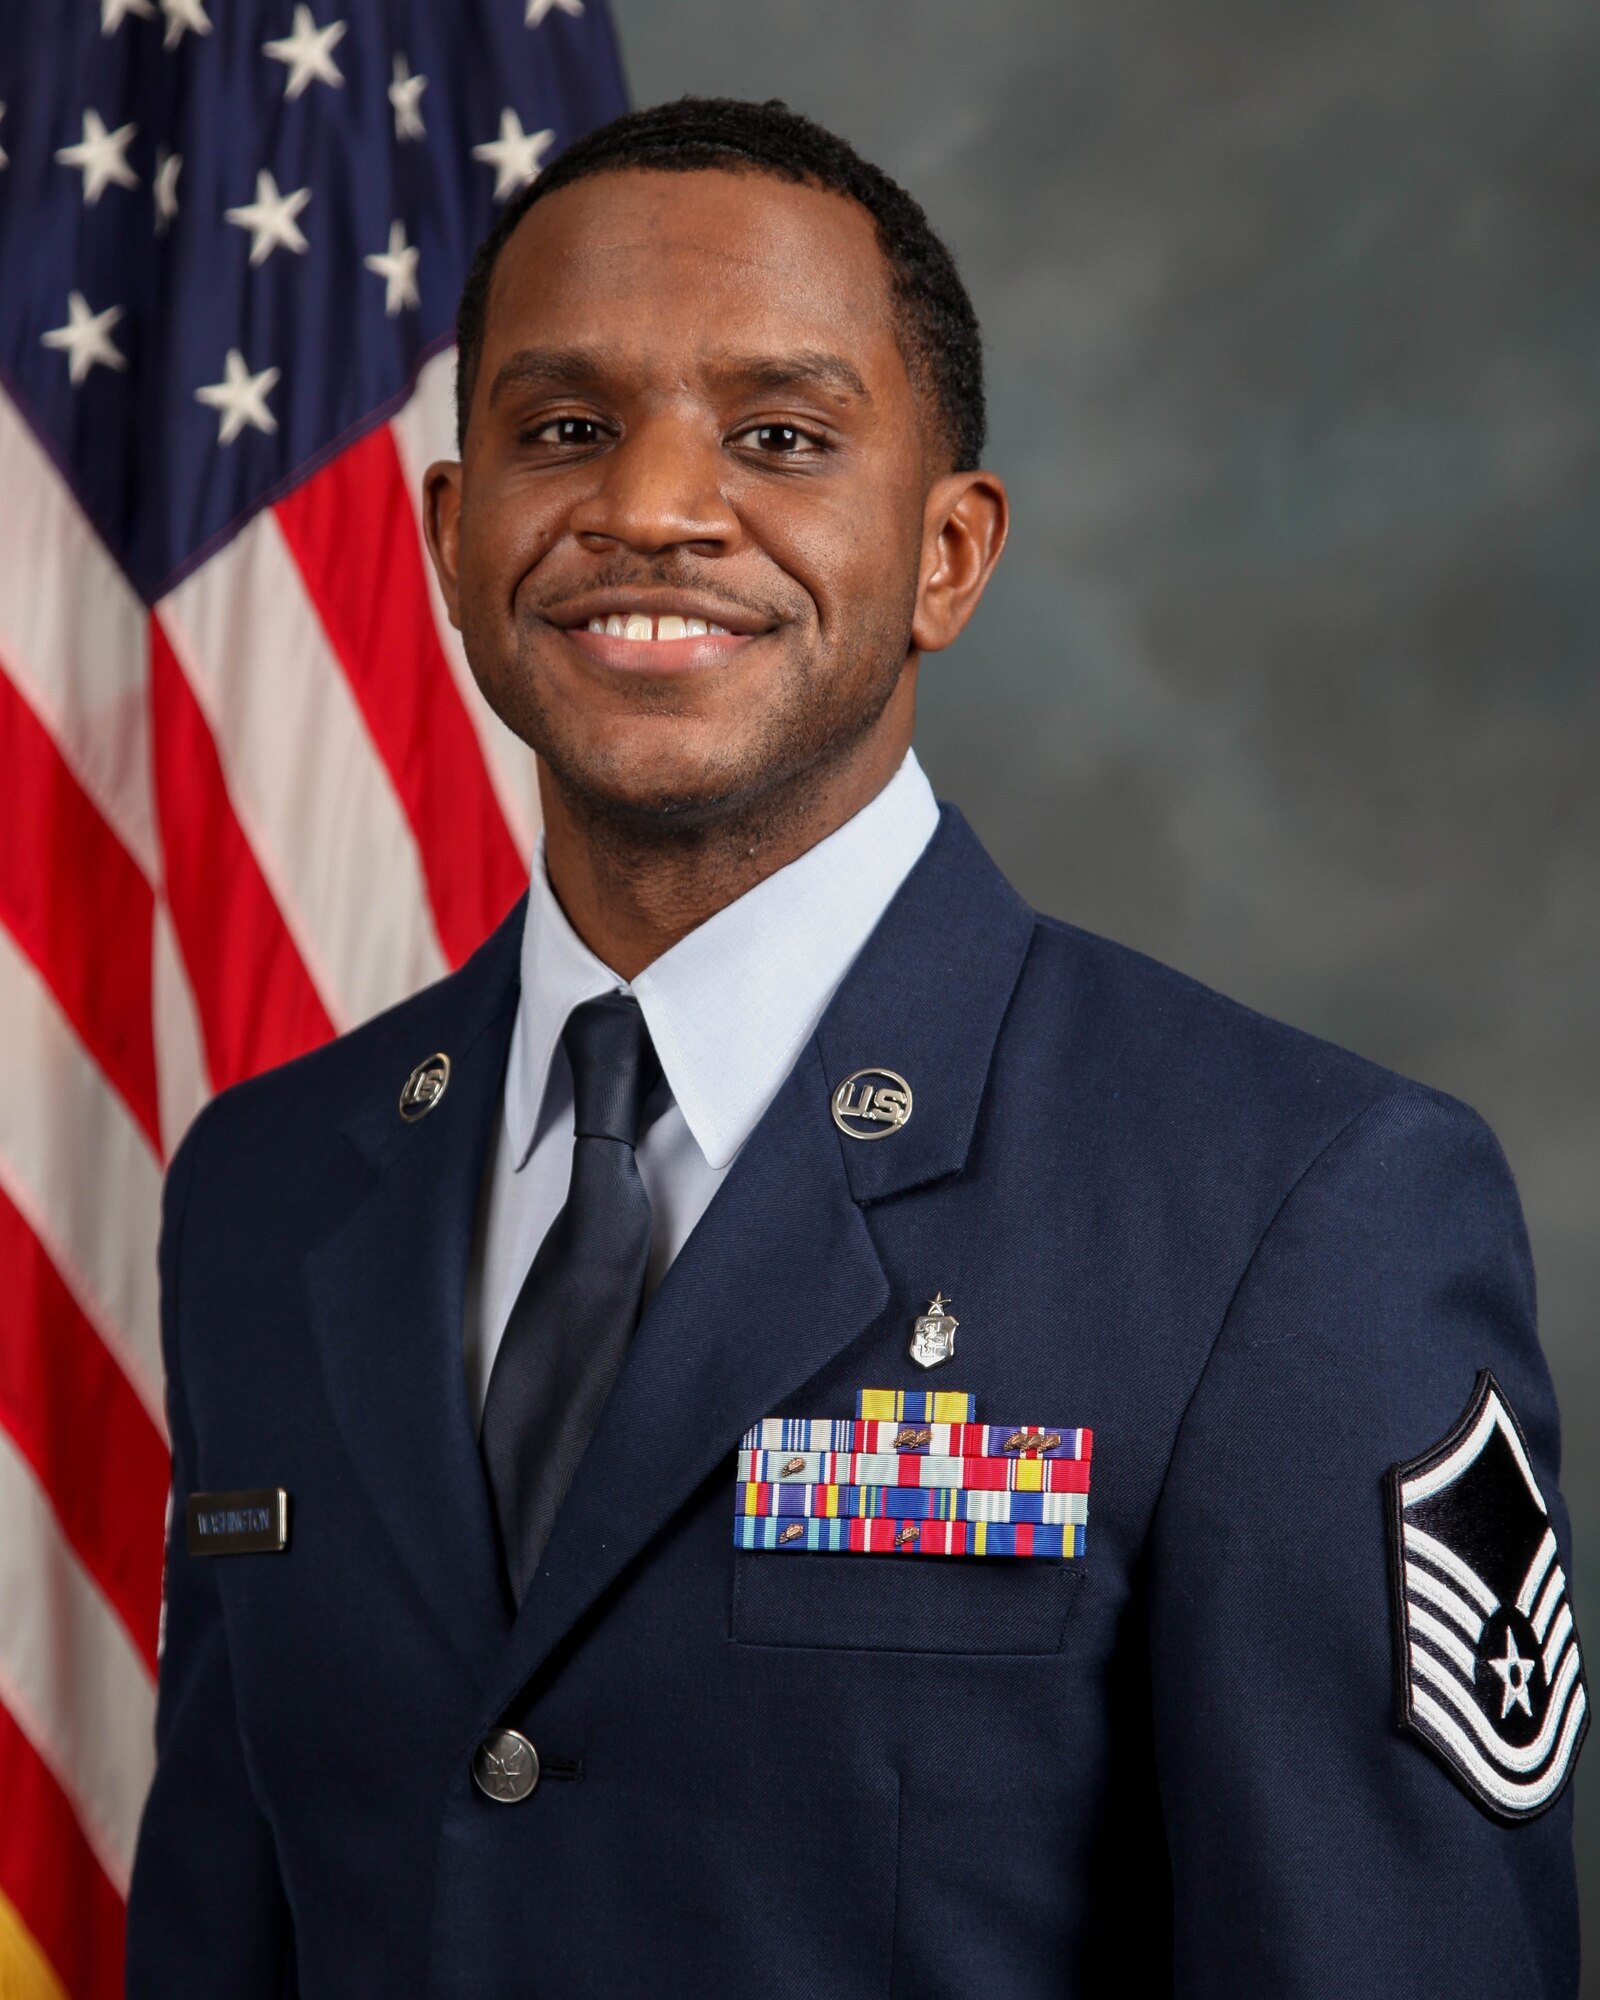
{"x": 206, "y": 1910}
{"x": 1316, "y": 1847}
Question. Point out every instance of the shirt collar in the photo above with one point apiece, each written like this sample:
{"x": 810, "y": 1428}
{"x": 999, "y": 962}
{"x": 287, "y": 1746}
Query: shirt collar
{"x": 731, "y": 1005}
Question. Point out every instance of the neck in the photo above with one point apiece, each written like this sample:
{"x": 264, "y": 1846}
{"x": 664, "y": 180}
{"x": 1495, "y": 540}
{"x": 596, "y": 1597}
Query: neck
{"x": 631, "y": 891}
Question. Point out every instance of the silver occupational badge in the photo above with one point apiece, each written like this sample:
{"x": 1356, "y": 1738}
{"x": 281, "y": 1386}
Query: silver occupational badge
{"x": 933, "y": 1338}
{"x": 872, "y": 1103}
{"x": 424, "y": 1087}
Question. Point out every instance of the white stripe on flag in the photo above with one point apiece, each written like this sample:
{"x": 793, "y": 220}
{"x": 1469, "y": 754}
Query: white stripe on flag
{"x": 69, "y": 1673}
{"x": 82, "y": 1174}
{"x": 423, "y": 431}
{"x": 182, "y": 1082}
{"x": 74, "y": 640}
{"x": 306, "y": 783}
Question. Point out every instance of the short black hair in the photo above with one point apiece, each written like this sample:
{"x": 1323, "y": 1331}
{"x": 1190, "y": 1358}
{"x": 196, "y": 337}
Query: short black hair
{"x": 934, "y": 320}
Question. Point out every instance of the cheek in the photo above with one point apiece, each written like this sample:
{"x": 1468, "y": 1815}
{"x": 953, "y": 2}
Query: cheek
{"x": 505, "y": 530}
{"x": 854, "y": 556}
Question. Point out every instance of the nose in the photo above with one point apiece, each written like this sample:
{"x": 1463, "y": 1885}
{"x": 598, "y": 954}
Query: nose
{"x": 659, "y": 487}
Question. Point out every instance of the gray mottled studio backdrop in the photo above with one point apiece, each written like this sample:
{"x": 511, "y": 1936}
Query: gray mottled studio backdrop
{"x": 1290, "y": 674}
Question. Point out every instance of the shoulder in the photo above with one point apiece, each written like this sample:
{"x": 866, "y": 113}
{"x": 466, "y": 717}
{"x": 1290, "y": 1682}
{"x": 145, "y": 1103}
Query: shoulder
{"x": 1209, "y": 1082}
{"x": 294, "y": 1114}
{"x": 1157, "y": 1014}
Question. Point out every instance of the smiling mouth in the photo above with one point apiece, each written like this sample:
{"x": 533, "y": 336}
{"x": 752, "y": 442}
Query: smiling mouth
{"x": 635, "y": 638}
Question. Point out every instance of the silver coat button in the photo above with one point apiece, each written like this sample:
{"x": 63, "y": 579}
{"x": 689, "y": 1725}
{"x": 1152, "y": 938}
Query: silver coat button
{"x": 505, "y": 1767}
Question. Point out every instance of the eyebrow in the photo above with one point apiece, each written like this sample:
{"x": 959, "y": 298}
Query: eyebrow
{"x": 807, "y": 368}
{"x": 532, "y": 368}
{"x": 544, "y": 368}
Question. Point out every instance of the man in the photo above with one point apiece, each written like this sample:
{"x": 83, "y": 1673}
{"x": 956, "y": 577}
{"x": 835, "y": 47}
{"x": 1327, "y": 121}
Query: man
{"x": 633, "y": 1405}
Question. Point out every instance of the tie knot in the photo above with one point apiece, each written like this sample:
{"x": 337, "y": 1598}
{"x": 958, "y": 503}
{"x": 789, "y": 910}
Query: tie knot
{"x": 614, "y": 1067}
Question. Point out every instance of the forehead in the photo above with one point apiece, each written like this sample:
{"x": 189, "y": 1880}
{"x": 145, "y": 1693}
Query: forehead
{"x": 663, "y": 267}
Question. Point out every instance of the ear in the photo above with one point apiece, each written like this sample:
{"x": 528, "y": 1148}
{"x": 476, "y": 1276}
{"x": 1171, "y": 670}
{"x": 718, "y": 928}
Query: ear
{"x": 963, "y": 531}
{"x": 441, "y": 528}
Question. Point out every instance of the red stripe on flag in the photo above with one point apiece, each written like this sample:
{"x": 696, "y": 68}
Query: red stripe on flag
{"x": 353, "y": 532}
{"x": 78, "y": 904}
{"x": 50, "y": 1874}
{"x": 85, "y": 1433}
{"x": 256, "y": 1002}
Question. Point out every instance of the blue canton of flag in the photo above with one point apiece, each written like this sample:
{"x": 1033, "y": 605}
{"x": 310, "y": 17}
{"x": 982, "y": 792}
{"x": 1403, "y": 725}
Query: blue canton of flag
{"x": 231, "y": 233}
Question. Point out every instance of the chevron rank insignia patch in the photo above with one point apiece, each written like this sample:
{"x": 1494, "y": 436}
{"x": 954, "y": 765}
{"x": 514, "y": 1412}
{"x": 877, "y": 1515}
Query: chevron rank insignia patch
{"x": 1491, "y": 1676}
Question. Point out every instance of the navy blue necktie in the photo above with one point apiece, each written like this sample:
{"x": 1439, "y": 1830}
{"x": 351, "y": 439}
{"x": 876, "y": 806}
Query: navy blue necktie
{"x": 568, "y": 1333}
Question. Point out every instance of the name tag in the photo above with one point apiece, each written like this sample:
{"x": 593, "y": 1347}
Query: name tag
{"x": 238, "y": 1524}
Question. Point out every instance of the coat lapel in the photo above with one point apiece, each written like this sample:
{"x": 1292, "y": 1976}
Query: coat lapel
{"x": 781, "y": 1275}
{"x": 386, "y": 1292}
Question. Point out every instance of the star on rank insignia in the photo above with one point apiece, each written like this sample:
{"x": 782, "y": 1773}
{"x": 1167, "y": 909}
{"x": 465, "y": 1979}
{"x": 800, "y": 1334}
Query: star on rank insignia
{"x": 1490, "y": 1669}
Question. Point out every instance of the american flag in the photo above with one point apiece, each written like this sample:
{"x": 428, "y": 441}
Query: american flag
{"x": 248, "y": 794}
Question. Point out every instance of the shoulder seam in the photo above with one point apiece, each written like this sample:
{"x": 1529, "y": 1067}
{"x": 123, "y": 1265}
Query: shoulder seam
{"x": 1408, "y": 1091}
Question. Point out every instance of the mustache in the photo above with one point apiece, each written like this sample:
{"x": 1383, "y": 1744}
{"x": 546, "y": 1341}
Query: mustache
{"x": 690, "y": 578}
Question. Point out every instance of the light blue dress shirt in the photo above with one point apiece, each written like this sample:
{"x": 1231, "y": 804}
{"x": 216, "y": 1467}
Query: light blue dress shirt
{"x": 729, "y": 1009}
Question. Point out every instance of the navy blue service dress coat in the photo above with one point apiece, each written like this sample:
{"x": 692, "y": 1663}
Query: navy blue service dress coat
{"x": 1263, "y": 1271}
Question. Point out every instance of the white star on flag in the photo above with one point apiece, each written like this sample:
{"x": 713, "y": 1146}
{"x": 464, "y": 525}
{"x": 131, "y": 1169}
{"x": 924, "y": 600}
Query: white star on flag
{"x": 183, "y": 15}
{"x": 537, "y": 9}
{"x": 397, "y": 266}
{"x": 270, "y": 218}
{"x": 100, "y": 154}
{"x": 241, "y": 397}
{"x": 405, "y": 94}
{"x": 308, "y": 51}
{"x": 86, "y": 338}
{"x": 114, "y": 12}
{"x": 516, "y": 156}
{"x": 165, "y": 188}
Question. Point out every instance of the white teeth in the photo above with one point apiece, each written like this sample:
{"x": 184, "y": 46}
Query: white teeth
{"x": 637, "y": 626}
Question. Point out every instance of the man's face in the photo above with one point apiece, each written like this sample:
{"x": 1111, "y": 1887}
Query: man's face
{"x": 690, "y": 405}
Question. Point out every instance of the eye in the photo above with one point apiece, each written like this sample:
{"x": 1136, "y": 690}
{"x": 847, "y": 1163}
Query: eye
{"x": 578, "y": 433}
{"x": 779, "y": 441}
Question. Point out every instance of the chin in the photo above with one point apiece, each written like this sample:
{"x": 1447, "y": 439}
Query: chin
{"x": 685, "y": 790}
{"x": 676, "y": 791}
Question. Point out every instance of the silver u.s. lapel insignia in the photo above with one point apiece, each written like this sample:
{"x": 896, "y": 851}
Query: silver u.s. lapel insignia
{"x": 424, "y": 1087}
{"x": 933, "y": 1338}
{"x": 871, "y": 1103}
